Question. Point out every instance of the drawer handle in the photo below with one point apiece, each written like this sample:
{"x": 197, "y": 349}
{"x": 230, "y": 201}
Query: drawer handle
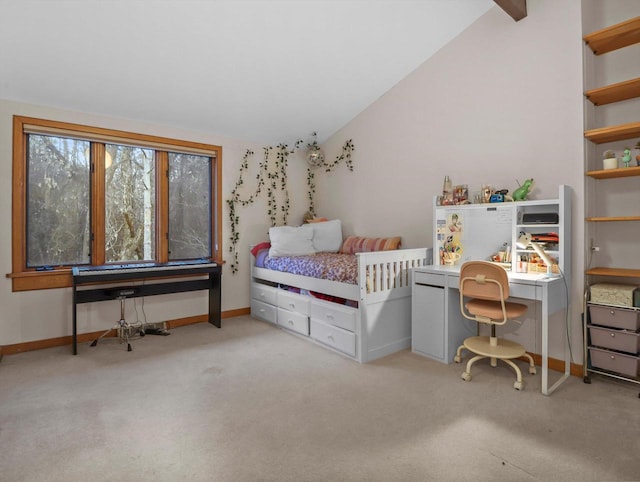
{"x": 612, "y": 312}
{"x": 330, "y": 337}
{"x": 613, "y": 335}
{"x": 292, "y": 305}
{"x": 261, "y": 310}
{"x": 329, "y": 316}
{"x": 290, "y": 322}
{"x": 613, "y": 357}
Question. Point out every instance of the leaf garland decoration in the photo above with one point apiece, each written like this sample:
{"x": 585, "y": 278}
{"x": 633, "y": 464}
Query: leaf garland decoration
{"x": 273, "y": 180}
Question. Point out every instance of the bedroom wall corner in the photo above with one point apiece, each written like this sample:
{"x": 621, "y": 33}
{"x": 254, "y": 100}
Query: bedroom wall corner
{"x": 500, "y": 103}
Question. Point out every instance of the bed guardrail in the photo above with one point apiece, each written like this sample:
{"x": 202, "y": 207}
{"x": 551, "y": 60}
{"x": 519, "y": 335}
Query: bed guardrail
{"x": 388, "y": 272}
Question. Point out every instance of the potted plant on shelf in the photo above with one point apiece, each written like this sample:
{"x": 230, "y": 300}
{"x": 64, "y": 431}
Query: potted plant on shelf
{"x": 637, "y": 148}
{"x": 610, "y": 160}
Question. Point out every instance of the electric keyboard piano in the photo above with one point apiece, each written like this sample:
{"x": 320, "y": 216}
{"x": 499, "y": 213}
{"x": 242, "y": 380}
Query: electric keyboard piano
{"x": 164, "y": 275}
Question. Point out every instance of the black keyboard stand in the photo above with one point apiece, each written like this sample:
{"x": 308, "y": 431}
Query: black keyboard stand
{"x": 208, "y": 278}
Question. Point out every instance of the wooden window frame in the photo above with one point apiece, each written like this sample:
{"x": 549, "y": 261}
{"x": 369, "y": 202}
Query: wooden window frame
{"x": 23, "y": 278}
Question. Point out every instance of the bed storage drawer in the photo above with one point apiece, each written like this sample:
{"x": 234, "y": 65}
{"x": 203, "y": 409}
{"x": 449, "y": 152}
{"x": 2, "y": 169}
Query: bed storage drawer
{"x": 627, "y": 341}
{"x": 614, "y": 361}
{"x": 341, "y": 340}
{"x": 623, "y": 318}
{"x": 293, "y": 321}
{"x": 294, "y": 302}
{"x": 263, "y": 311}
{"x": 332, "y": 314}
{"x": 265, "y": 293}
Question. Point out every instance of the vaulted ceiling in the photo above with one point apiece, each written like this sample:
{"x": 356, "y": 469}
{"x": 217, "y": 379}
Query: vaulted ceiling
{"x": 258, "y": 70}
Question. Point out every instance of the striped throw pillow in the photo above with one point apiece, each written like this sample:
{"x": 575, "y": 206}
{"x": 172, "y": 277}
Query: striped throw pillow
{"x": 357, "y": 244}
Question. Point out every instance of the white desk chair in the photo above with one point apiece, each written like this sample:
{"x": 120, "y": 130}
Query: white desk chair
{"x": 487, "y": 286}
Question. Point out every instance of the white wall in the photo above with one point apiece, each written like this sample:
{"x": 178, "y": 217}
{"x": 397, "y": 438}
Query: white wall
{"x": 37, "y": 315}
{"x": 502, "y": 102}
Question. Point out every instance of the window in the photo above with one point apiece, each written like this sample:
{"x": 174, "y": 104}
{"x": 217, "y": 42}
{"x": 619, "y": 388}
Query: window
{"x": 90, "y": 196}
{"x": 189, "y": 203}
{"x": 58, "y": 193}
{"x": 129, "y": 204}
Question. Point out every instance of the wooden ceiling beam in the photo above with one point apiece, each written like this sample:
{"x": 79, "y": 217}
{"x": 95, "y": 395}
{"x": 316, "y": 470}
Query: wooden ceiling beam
{"x": 517, "y": 9}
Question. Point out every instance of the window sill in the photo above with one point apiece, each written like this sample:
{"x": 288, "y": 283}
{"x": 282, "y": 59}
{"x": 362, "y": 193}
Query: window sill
{"x": 41, "y": 280}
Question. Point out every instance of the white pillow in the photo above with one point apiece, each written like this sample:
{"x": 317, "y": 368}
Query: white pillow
{"x": 291, "y": 241}
{"x": 327, "y": 236}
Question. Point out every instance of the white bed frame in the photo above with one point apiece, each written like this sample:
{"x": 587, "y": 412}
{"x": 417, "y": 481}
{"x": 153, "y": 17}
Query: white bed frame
{"x": 382, "y": 321}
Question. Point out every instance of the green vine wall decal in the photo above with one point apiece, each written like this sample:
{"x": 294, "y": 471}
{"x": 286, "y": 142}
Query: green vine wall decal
{"x": 319, "y": 161}
{"x": 273, "y": 179}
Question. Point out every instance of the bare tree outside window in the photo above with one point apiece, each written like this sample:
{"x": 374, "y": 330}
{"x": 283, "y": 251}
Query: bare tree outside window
{"x": 130, "y": 203}
{"x": 189, "y": 206}
{"x": 58, "y": 185}
{"x": 85, "y": 195}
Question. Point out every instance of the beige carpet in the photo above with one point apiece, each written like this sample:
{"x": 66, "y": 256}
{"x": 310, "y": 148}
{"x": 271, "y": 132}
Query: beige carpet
{"x": 251, "y": 402}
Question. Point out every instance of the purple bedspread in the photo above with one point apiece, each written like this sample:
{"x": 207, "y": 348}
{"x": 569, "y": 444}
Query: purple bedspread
{"x": 330, "y": 266}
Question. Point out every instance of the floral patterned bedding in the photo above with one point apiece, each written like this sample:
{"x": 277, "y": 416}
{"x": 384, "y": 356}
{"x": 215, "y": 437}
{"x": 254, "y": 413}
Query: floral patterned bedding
{"x": 330, "y": 266}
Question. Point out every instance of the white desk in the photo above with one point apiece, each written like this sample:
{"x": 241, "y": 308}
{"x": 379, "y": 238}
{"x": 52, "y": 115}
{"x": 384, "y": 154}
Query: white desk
{"x": 436, "y": 311}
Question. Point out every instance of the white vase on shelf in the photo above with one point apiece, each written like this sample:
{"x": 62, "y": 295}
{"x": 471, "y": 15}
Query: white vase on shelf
{"x": 610, "y": 163}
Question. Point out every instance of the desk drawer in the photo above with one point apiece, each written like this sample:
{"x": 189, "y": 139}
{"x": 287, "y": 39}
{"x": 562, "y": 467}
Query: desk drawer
{"x": 521, "y": 290}
{"x": 293, "y": 321}
{"x": 620, "y": 340}
{"x": 264, "y": 293}
{"x": 623, "y": 318}
{"x": 341, "y": 340}
{"x": 264, "y": 311}
{"x": 430, "y": 279}
{"x": 615, "y": 362}
{"x": 294, "y": 302}
{"x": 332, "y": 314}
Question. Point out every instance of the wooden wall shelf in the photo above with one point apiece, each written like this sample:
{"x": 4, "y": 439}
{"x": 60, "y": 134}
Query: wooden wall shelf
{"x": 608, "y": 39}
{"x": 603, "y": 135}
{"x": 614, "y": 173}
{"x": 629, "y": 89}
{"x": 614, "y": 37}
{"x": 627, "y": 273}
{"x": 613, "y": 218}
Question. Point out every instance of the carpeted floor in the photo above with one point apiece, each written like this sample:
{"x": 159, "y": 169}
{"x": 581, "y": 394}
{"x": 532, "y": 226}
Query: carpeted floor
{"x": 252, "y": 402}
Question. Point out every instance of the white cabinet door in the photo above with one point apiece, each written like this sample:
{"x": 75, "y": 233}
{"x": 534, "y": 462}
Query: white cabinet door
{"x": 427, "y": 320}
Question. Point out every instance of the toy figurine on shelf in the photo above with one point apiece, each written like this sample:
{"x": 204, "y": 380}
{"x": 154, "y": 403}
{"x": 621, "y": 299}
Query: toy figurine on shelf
{"x": 499, "y": 196}
{"x": 626, "y": 156}
{"x": 523, "y": 191}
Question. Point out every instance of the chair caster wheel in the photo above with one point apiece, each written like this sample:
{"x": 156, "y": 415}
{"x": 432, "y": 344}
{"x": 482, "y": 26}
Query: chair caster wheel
{"x": 466, "y": 376}
{"x": 517, "y": 385}
{"x": 456, "y": 359}
{"x": 532, "y": 370}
